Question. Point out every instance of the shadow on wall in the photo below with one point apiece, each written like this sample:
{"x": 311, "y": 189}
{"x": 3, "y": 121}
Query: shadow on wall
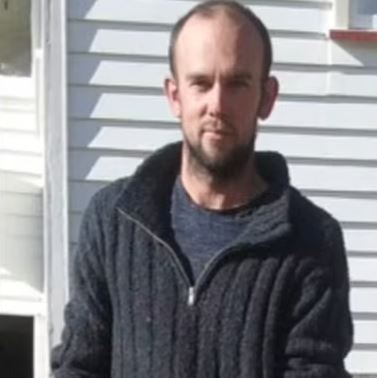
{"x": 104, "y": 94}
{"x": 21, "y": 235}
{"x": 354, "y": 53}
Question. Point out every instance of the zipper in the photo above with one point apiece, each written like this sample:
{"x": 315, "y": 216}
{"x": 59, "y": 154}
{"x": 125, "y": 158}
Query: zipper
{"x": 193, "y": 290}
{"x": 192, "y": 287}
{"x": 167, "y": 246}
{"x": 191, "y": 296}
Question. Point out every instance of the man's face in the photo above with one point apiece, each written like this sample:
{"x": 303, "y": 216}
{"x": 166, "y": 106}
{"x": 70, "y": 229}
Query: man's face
{"x": 219, "y": 91}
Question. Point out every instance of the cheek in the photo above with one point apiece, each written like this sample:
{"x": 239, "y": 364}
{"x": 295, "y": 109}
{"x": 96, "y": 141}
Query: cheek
{"x": 248, "y": 111}
{"x": 191, "y": 119}
{"x": 192, "y": 108}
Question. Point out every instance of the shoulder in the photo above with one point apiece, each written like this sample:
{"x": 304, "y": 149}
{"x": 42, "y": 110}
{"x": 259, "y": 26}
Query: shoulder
{"x": 102, "y": 207}
{"x": 317, "y": 235}
{"x": 98, "y": 219}
{"x": 105, "y": 200}
{"x": 310, "y": 221}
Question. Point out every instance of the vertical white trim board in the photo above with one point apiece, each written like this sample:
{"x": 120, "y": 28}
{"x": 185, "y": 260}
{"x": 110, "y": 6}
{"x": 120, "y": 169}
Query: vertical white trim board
{"x": 56, "y": 203}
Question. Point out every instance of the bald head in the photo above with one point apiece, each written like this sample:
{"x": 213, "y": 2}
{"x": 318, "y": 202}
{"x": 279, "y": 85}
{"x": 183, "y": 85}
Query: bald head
{"x": 234, "y": 12}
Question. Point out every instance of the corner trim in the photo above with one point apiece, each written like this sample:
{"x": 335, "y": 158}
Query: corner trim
{"x": 56, "y": 167}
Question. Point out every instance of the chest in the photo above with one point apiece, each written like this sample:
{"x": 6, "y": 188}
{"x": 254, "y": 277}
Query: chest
{"x": 211, "y": 325}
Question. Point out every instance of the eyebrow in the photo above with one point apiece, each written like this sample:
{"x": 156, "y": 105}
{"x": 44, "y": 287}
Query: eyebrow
{"x": 242, "y": 76}
{"x": 237, "y": 76}
{"x": 196, "y": 76}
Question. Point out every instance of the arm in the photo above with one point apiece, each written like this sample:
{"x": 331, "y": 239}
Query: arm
{"x": 86, "y": 340}
{"x": 320, "y": 326}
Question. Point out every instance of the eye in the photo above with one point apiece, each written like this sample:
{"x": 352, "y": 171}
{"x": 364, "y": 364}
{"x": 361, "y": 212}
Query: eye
{"x": 240, "y": 83}
{"x": 201, "y": 84}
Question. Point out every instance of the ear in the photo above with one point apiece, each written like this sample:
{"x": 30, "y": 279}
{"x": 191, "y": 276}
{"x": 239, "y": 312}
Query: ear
{"x": 172, "y": 93}
{"x": 268, "y": 99}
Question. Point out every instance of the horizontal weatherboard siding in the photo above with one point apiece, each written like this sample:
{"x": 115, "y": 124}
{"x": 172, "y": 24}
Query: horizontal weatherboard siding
{"x": 117, "y": 72}
{"x": 293, "y": 145}
{"x": 315, "y": 112}
{"x": 278, "y": 17}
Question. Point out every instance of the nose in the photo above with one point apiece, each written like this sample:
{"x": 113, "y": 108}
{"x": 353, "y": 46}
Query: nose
{"x": 216, "y": 102}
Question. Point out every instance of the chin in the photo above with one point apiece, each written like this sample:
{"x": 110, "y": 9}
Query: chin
{"x": 218, "y": 159}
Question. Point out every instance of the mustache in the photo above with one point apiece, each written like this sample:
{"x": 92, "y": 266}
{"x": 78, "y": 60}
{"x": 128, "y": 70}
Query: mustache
{"x": 218, "y": 126}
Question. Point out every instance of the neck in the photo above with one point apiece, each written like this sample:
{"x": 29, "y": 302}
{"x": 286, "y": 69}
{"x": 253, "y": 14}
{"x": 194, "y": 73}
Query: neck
{"x": 211, "y": 193}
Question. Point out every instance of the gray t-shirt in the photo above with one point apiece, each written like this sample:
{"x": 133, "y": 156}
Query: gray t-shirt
{"x": 201, "y": 234}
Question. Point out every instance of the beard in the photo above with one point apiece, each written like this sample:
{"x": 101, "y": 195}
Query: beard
{"x": 225, "y": 165}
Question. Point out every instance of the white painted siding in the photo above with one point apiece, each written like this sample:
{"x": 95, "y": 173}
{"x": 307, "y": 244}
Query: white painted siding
{"x": 21, "y": 165}
{"x": 324, "y": 122}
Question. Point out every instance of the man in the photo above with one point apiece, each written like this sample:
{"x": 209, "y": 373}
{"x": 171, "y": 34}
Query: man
{"x": 207, "y": 263}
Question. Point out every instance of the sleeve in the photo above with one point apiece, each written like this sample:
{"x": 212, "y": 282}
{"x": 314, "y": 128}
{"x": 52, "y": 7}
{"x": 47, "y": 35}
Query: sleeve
{"x": 320, "y": 329}
{"x": 86, "y": 340}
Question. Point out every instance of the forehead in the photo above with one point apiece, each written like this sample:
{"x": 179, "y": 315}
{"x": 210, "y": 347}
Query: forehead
{"x": 219, "y": 38}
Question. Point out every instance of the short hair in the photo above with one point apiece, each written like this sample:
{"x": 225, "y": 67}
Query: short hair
{"x": 208, "y": 9}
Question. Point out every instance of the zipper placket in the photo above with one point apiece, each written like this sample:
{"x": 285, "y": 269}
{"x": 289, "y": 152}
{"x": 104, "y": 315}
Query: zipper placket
{"x": 209, "y": 266}
{"x": 167, "y": 246}
{"x": 193, "y": 290}
{"x": 192, "y": 287}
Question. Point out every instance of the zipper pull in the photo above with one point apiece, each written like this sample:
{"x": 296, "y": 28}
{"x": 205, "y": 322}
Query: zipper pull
{"x": 191, "y": 296}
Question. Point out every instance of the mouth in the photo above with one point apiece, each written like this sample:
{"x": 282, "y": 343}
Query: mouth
{"x": 217, "y": 136}
{"x": 218, "y": 127}
{"x": 218, "y": 132}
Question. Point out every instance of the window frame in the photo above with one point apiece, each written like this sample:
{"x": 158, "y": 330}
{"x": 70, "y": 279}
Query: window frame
{"x": 361, "y": 21}
{"x": 342, "y": 29}
{"x": 22, "y": 87}
{"x": 30, "y": 21}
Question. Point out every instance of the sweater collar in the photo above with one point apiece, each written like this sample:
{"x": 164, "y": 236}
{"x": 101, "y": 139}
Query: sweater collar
{"x": 147, "y": 197}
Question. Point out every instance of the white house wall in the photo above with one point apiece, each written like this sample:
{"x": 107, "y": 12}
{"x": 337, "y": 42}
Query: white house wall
{"x": 21, "y": 208}
{"x": 324, "y": 122}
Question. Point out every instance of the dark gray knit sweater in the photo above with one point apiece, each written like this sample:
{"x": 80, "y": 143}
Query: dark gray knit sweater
{"x": 274, "y": 304}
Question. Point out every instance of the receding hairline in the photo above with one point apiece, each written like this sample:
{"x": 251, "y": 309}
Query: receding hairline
{"x": 233, "y": 11}
{"x": 237, "y": 19}
{"x": 219, "y": 11}
{"x": 214, "y": 9}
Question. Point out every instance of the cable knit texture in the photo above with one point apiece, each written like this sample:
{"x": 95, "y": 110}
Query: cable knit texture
{"x": 274, "y": 304}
